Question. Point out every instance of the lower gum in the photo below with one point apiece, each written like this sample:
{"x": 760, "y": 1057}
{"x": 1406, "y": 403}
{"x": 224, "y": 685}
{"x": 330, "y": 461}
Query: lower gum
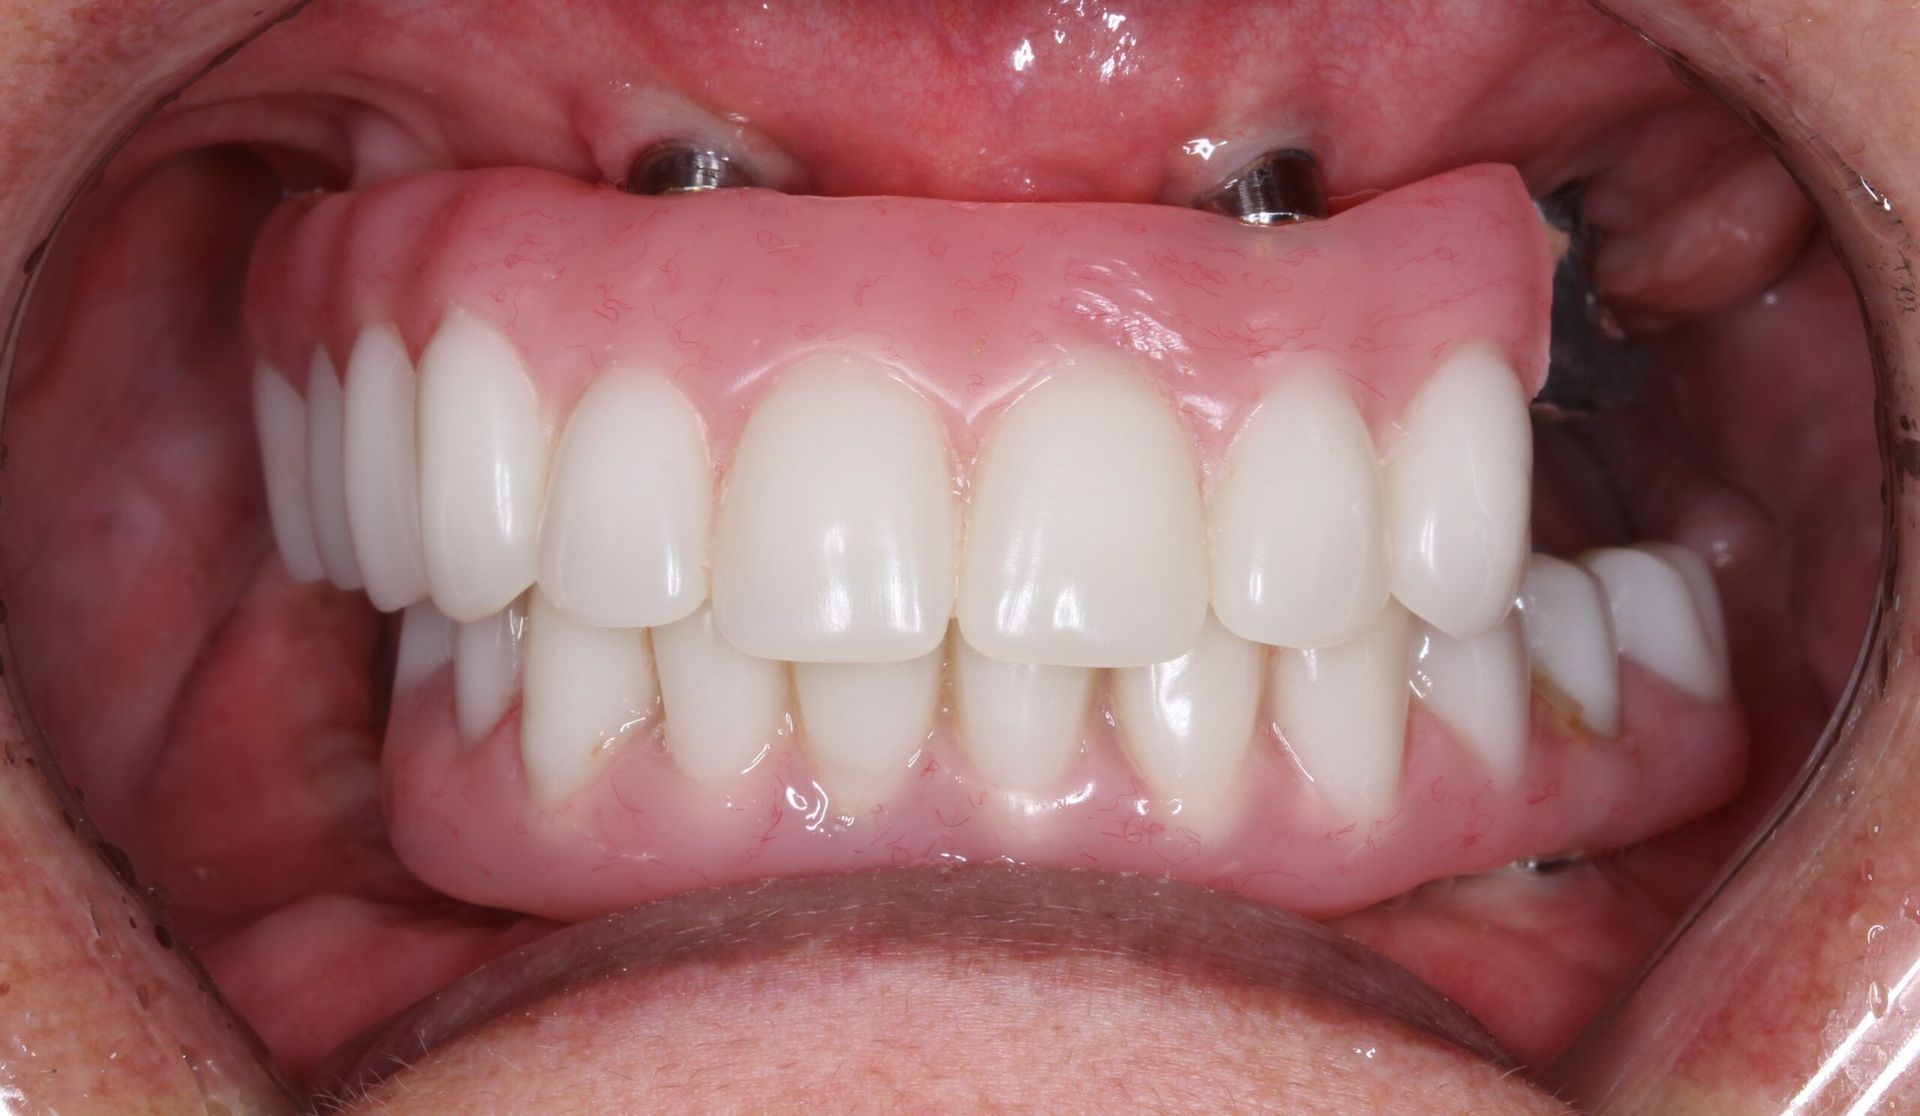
{"x": 462, "y": 820}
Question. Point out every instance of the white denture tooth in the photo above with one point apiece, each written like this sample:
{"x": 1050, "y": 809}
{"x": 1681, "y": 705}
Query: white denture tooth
{"x": 1570, "y": 639}
{"x": 623, "y": 542}
{"x": 586, "y": 688}
{"x": 1087, "y": 543}
{"x": 1706, "y": 594}
{"x": 864, "y": 724}
{"x": 486, "y": 669}
{"x": 383, "y": 469}
{"x": 426, "y": 645}
{"x": 1659, "y": 621}
{"x": 1187, "y": 724}
{"x": 327, "y": 472}
{"x": 280, "y": 421}
{"x": 483, "y": 468}
{"x": 838, "y": 523}
{"x": 1482, "y": 688}
{"x": 1020, "y": 723}
{"x": 1299, "y": 545}
{"x": 1342, "y": 711}
{"x": 723, "y": 707}
{"x": 1458, "y": 490}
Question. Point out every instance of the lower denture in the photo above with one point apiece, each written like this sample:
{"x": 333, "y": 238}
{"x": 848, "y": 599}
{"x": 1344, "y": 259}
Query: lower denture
{"x": 890, "y": 674}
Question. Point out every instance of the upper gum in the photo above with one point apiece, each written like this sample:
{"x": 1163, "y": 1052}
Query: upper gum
{"x": 569, "y": 299}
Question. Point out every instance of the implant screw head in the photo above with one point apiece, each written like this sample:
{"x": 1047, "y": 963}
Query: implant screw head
{"x": 1282, "y": 187}
{"x": 675, "y": 167}
{"x": 1548, "y": 865}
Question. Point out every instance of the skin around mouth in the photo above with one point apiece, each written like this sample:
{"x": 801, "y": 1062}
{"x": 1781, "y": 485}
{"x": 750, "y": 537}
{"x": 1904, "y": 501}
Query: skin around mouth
{"x": 230, "y": 909}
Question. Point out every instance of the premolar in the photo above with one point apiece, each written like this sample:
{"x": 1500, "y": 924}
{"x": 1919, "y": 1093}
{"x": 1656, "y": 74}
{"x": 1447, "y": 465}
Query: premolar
{"x": 486, "y": 670}
{"x": 327, "y": 473}
{"x": 1087, "y": 544}
{"x": 280, "y": 419}
{"x": 1299, "y": 540}
{"x": 623, "y": 540}
{"x": 426, "y": 645}
{"x": 382, "y": 469}
{"x": 837, "y": 526}
{"x": 1570, "y": 639}
{"x": 1664, "y": 619}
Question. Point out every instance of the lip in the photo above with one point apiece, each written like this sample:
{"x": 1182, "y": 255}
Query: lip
{"x": 1851, "y": 193}
{"x": 1193, "y": 934}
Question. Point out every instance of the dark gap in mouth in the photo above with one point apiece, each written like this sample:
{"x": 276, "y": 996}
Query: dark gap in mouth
{"x": 219, "y": 570}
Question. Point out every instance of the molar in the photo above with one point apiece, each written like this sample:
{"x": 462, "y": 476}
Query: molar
{"x": 1020, "y": 723}
{"x": 837, "y": 525}
{"x": 723, "y": 707}
{"x": 486, "y": 669}
{"x": 865, "y": 723}
{"x": 1087, "y": 543}
{"x": 1343, "y": 713}
{"x": 1298, "y": 534}
{"x": 623, "y": 540}
{"x": 483, "y": 468}
{"x": 1481, "y": 687}
{"x": 327, "y": 472}
{"x": 586, "y": 688}
{"x": 1187, "y": 723}
{"x": 1664, "y": 618}
{"x": 1457, "y": 489}
{"x": 280, "y": 418}
{"x": 382, "y": 469}
{"x": 1570, "y": 638}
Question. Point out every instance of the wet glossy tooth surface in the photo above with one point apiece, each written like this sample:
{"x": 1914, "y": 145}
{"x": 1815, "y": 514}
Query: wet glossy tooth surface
{"x": 586, "y": 688}
{"x": 629, "y": 505}
{"x": 486, "y": 670}
{"x": 1187, "y": 723}
{"x": 1481, "y": 687}
{"x": 1086, "y": 545}
{"x": 1570, "y": 638}
{"x": 1299, "y": 546}
{"x": 1659, "y": 622}
{"x": 483, "y": 468}
{"x": 1343, "y": 712}
{"x": 864, "y": 723}
{"x": 382, "y": 469}
{"x": 1457, "y": 490}
{"x": 280, "y": 419}
{"x": 426, "y": 645}
{"x": 327, "y": 472}
{"x": 1020, "y": 723}
{"x": 837, "y": 526}
{"x": 723, "y": 707}
{"x": 1706, "y": 594}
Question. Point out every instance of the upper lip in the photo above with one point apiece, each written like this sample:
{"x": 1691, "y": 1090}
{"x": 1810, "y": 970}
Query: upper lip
{"x": 1200, "y": 935}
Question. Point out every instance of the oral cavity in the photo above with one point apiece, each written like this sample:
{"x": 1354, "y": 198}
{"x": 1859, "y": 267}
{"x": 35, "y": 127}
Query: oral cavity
{"x": 742, "y": 534}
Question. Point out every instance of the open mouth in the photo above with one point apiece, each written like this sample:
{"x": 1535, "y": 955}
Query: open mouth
{"x": 474, "y": 571}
